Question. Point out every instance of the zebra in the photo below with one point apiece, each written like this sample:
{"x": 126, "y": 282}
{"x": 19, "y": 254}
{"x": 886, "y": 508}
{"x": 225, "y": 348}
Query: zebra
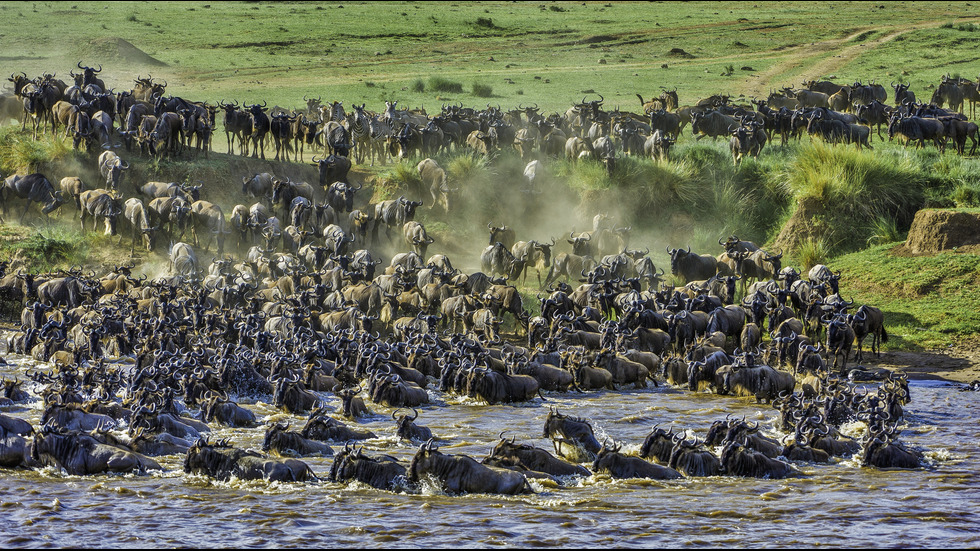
{"x": 359, "y": 126}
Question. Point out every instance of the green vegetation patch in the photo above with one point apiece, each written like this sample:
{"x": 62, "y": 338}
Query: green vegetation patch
{"x": 930, "y": 302}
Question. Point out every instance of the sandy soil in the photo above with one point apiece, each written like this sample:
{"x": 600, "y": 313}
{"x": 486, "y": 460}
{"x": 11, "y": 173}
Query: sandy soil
{"x": 955, "y": 365}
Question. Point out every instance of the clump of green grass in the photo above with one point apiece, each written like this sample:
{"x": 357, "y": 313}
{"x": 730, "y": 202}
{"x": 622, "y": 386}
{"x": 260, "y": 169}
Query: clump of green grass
{"x": 482, "y": 90}
{"x": 966, "y": 195}
{"x": 442, "y": 84}
{"x": 467, "y": 168}
{"x": 397, "y": 178}
{"x": 485, "y": 22}
{"x": 418, "y": 86}
{"x": 866, "y": 180}
{"x": 846, "y": 188}
{"x": 19, "y": 153}
{"x": 884, "y": 229}
{"x": 812, "y": 251}
{"x": 49, "y": 249}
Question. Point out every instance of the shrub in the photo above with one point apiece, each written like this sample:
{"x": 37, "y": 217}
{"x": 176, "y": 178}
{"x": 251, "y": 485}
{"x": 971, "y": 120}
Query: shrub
{"x": 482, "y": 90}
{"x": 418, "y": 86}
{"x": 884, "y": 229}
{"x": 812, "y": 252}
{"x": 440, "y": 84}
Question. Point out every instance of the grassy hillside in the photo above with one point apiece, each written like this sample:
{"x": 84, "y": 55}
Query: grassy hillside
{"x": 549, "y": 53}
{"x": 930, "y": 302}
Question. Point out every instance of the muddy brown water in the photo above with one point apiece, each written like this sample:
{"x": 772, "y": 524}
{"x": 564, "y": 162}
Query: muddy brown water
{"x": 841, "y": 504}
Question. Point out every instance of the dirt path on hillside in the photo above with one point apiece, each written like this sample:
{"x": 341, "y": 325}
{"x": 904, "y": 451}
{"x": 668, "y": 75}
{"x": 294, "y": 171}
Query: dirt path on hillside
{"x": 823, "y": 58}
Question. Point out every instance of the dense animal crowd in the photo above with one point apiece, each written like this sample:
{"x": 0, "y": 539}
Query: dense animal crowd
{"x": 303, "y": 308}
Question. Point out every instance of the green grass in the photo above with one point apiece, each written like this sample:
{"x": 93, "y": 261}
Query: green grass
{"x": 482, "y": 90}
{"x": 48, "y": 249}
{"x": 19, "y": 153}
{"x": 279, "y": 52}
{"x": 930, "y": 302}
{"x": 812, "y": 251}
{"x": 441, "y": 84}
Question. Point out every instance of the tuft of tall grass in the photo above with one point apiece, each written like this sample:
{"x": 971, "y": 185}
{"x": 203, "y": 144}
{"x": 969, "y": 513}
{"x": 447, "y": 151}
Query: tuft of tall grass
{"x": 862, "y": 180}
{"x": 48, "y": 249}
{"x": 418, "y": 86}
{"x": 482, "y": 90}
{"x": 854, "y": 187}
{"x": 397, "y": 178}
{"x": 19, "y": 153}
{"x": 884, "y": 229}
{"x": 442, "y": 84}
{"x": 467, "y": 168}
{"x": 812, "y": 251}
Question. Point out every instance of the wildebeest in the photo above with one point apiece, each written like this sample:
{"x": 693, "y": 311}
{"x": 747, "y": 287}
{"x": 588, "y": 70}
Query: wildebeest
{"x": 320, "y": 426}
{"x": 525, "y": 456}
{"x": 573, "y": 438}
{"x": 462, "y": 474}
{"x": 408, "y": 430}
{"x": 73, "y": 187}
{"x": 111, "y": 168}
{"x": 382, "y": 472}
{"x": 279, "y": 439}
{"x": 609, "y": 460}
{"x": 208, "y": 217}
{"x": 222, "y": 461}
{"x": 691, "y": 267}
{"x": 869, "y": 320}
{"x": 333, "y": 168}
{"x": 737, "y": 460}
{"x": 138, "y": 218}
{"x": 80, "y": 454}
{"x": 259, "y": 185}
{"x": 497, "y": 260}
{"x": 434, "y": 177}
{"x": 183, "y": 261}
{"x": 33, "y": 188}
{"x": 100, "y": 203}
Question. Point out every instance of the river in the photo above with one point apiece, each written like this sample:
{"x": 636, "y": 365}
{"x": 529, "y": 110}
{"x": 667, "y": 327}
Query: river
{"x": 841, "y": 504}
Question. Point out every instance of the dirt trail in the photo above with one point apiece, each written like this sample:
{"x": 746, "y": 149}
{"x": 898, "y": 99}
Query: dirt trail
{"x": 822, "y": 58}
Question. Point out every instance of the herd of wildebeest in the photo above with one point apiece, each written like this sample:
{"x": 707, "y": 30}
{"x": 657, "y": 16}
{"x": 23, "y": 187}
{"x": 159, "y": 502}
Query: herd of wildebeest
{"x": 300, "y": 312}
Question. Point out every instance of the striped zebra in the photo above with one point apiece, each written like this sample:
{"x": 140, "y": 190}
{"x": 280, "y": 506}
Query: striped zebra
{"x": 359, "y": 126}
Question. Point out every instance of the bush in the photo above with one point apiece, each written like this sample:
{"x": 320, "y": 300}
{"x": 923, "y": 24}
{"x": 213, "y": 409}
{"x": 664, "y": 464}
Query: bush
{"x": 49, "y": 249}
{"x": 482, "y": 90}
{"x": 966, "y": 195}
{"x": 856, "y": 186}
{"x": 418, "y": 86}
{"x": 884, "y": 229}
{"x": 812, "y": 252}
{"x": 19, "y": 153}
{"x": 440, "y": 84}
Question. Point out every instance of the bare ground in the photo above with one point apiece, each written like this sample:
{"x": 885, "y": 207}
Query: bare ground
{"x": 961, "y": 364}
{"x": 815, "y": 60}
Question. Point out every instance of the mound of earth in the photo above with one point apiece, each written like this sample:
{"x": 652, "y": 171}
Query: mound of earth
{"x": 805, "y": 223}
{"x": 679, "y": 52}
{"x": 935, "y": 230}
{"x": 116, "y": 49}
